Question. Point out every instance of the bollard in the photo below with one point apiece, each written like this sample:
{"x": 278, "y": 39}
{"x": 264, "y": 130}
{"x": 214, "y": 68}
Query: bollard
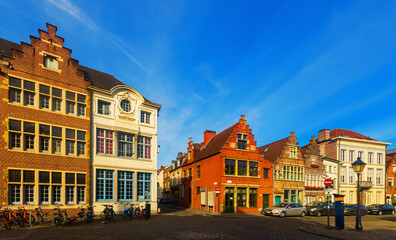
{"x": 147, "y": 212}
{"x": 339, "y": 211}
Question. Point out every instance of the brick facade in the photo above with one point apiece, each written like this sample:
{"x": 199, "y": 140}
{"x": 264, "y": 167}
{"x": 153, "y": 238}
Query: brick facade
{"x": 242, "y": 188}
{"x": 26, "y": 62}
{"x": 391, "y": 181}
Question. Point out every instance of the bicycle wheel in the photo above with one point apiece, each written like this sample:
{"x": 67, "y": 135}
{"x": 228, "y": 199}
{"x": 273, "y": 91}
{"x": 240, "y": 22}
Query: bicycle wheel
{"x": 113, "y": 215}
{"x": 129, "y": 214}
{"x": 19, "y": 220}
{"x": 138, "y": 213}
{"x": 103, "y": 216}
{"x": 7, "y": 223}
{"x": 39, "y": 219}
{"x": 57, "y": 220}
{"x": 89, "y": 217}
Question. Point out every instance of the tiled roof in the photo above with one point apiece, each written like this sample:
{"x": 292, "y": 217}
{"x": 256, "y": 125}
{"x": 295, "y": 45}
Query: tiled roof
{"x": 274, "y": 149}
{"x": 336, "y": 132}
{"x": 391, "y": 151}
{"x": 99, "y": 79}
{"x": 6, "y": 48}
{"x": 215, "y": 144}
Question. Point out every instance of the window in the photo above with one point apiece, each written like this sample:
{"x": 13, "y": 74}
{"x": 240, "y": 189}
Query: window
{"x": 184, "y": 174}
{"x": 29, "y": 89}
{"x": 104, "y": 185}
{"x": 351, "y": 155}
{"x": 126, "y": 105}
{"x": 379, "y": 158}
{"x": 125, "y": 145}
{"x": 198, "y": 190}
{"x": 370, "y": 175}
{"x": 145, "y": 117}
{"x": 378, "y": 198}
{"x": 241, "y": 197}
{"x": 125, "y": 186}
{"x": 15, "y": 90}
{"x": 370, "y": 157}
{"x": 103, "y": 108}
{"x": 44, "y": 194}
{"x": 242, "y": 141}
{"x": 379, "y": 176}
{"x": 80, "y": 195}
{"x": 15, "y": 194}
{"x": 29, "y": 194}
{"x": 190, "y": 172}
{"x": 242, "y": 165}
{"x": 44, "y": 133}
{"x": 351, "y": 175}
{"x": 390, "y": 182}
{"x": 56, "y": 99}
{"x": 70, "y": 195}
{"x": 265, "y": 172}
{"x": 293, "y": 152}
{"x": 360, "y": 155}
{"x": 29, "y": 129}
{"x": 253, "y": 169}
{"x": 44, "y": 96}
{"x": 343, "y": 173}
{"x": 81, "y": 105}
{"x": 229, "y": 167}
{"x": 144, "y": 186}
{"x": 144, "y": 147}
{"x": 70, "y": 141}
{"x": 56, "y": 140}
{"x": 199, "y": 171}
{"x": 369, "y": 201}
{"x": 343, "y": 152}
{"x": 252, "y": 197}
{"x": 81, "y": 138}
{"x": 56, "y": 194}
{"x": 104, "y": 141}
{"x": 14, "y": 127}
{"x": 351, "y": 197}
{"x": 51, "y": 62}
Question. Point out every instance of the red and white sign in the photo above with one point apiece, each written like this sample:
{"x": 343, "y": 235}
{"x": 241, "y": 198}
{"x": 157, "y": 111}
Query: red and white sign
{"x": 217, "y": 189}
{"x": 328, "y": 182}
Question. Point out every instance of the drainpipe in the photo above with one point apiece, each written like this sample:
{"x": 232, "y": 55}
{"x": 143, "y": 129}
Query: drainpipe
{"x": 91, "y": 154}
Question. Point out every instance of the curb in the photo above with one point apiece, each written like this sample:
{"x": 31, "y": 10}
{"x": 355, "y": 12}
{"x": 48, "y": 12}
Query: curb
{"x": 303, "y": 229}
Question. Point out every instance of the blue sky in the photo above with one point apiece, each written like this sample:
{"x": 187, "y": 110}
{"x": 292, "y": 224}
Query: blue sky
{"x": 287, "y": 65}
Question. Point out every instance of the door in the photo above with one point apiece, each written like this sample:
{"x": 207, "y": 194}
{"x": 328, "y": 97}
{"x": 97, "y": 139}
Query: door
{"x": 277, "y": 199}
{"x": 229, "y": 200}
{"x": 265, "y": 201}
{"x": 293, "y": 198}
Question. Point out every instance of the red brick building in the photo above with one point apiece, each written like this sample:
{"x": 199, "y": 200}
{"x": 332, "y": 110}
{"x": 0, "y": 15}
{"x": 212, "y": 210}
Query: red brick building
{"x": 228, "y": 163}
{"x": 391, "y": 175}
{"x": 45, "y": 122}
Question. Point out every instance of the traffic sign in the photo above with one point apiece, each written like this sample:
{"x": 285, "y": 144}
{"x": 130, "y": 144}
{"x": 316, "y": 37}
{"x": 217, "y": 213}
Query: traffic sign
{"x": 328, "y": 182}
{"x": 217, "y": 189}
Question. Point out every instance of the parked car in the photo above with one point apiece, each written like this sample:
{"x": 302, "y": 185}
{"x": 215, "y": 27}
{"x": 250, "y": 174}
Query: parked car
{"x": 351, "y": 209}
{"x": 319, "y": 209}
{"x": 286, "y": 209}
{"x": 381, "y": 209}
{"x": 163, "y": 200}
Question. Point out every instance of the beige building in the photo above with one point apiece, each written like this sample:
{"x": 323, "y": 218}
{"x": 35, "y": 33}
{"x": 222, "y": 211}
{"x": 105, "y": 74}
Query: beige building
{"x": 346, "y": 146}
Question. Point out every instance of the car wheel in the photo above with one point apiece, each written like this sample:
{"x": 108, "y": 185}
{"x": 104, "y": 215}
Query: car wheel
{"x": 302, "y": 214}
{"x": 380, "y": 213}
{"x": 393, "y": 212}
{"x": 282, "y": 214}
{"x": 319, "y": 214}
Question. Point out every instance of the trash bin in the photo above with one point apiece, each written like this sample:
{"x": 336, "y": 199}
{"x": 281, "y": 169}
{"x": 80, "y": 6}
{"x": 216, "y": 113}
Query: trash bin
{"x": 339, "y": 211}
{"x": 147, "y": 213}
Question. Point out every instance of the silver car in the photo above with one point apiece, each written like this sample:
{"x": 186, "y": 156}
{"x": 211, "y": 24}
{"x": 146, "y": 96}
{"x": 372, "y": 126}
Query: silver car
{"x": 286, "y": 209}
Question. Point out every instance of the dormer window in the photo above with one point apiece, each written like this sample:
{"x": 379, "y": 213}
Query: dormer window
{"x": 242, "y": 141}
{"x": 126, "y": 105}
{"x": 51, "y": 62}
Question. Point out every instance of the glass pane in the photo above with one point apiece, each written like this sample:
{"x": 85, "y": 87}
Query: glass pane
{"x": 57, "y": 92}
{"x": 16, "y": 82}
{"x": 44, "y": 89}
{"x": 70, "y": 95}
{"x": 44, "y": 177}
{"x": 70, "y": 133}
{"x": 14, "y": 175}
{"x": 28, "y": 176}
{"x": 81, "y": 135}
{"x": 56, "y": 177}
{"x": 57, "y": 131}
{"x": 44, "y": 129}
{"x": 70, "y": 178}
{"x": 29, "y": 85}
{"x": 29, "y": 127}
{"x": 81, "y": 98}
{"x": 80, "y": 178}
{"x": 15, "y": 125}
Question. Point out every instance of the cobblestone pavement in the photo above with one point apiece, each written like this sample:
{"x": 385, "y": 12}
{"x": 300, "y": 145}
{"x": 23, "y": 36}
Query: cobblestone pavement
{"x": 173, "y": 224}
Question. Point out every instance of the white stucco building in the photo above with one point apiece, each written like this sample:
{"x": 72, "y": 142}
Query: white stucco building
{"x": 124, "y": 145}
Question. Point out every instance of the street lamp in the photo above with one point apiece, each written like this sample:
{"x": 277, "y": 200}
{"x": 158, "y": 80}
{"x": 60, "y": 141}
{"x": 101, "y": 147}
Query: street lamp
{"x": 358, "y": 167}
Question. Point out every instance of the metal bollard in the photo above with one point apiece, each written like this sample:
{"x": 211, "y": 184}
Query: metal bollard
{"x": 147, "y": 213}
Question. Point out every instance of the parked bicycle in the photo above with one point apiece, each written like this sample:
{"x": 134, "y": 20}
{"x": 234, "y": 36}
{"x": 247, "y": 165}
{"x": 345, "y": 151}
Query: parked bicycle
{"x": 10, "y": 219}
{"x": 58, "y": 216}
{"x": 38, "y": 217}
{"x": 23, "y": 216}
{"x": 128, "y": 211}
{"x": 90, "y": 214}
{"x": 139, "y": 212}
{"x": 108, "y": 213}
{"x": 70, "y": 220}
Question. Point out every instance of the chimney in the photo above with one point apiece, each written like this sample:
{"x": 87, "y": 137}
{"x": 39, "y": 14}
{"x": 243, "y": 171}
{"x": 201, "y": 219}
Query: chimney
{"x": 323, "y": 135}
{"x": 180, "y": 154}
{"x": 292, "y": 134}
{"x": 208, "y": 134}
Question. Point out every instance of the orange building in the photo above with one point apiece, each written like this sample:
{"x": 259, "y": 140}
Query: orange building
{"x": 391, "y": 174}
{"x": 226, "y": 172}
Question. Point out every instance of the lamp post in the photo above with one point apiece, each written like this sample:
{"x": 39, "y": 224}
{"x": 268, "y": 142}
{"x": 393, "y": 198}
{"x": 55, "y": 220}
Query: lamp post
{"x": 358, "y": 167}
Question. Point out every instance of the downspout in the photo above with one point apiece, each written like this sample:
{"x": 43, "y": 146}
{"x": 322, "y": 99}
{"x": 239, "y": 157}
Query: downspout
{"x": 91, "y": 147}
